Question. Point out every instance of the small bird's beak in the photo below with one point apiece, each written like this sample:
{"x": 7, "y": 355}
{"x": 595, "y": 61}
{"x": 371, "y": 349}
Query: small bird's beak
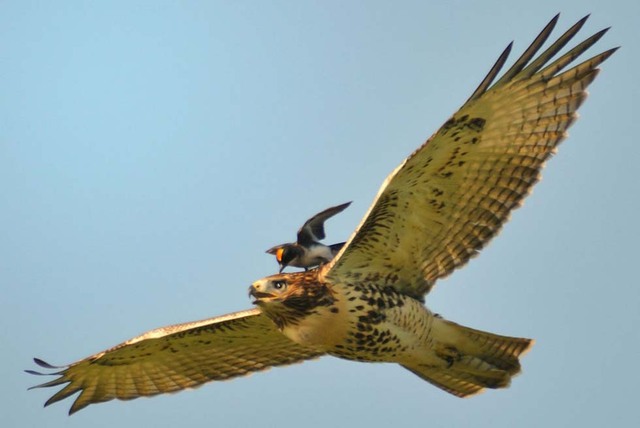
{"x": 281, "y": 268}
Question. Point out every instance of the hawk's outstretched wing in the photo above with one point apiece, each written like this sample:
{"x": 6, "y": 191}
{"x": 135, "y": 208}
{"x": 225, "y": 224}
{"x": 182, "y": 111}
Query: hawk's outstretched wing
{"x": 180, "y": 356}
{"x": 453, "y": 194}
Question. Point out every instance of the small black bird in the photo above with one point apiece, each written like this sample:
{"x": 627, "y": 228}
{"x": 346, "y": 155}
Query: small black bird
{"x": 307, "y": 252}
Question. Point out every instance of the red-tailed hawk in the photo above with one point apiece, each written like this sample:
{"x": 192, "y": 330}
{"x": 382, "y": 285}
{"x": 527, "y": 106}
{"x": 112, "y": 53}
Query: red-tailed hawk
{"x": 434, "y": 212}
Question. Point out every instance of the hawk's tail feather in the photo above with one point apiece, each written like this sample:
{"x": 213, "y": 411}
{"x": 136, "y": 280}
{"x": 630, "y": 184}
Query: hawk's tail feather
{"x": 472, "y": 360}
{"x": 459, "y": 383}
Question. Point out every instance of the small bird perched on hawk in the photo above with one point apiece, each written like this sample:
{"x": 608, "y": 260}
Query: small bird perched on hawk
{"x": 438, "y": 209}
{"x": 307, "y": 252}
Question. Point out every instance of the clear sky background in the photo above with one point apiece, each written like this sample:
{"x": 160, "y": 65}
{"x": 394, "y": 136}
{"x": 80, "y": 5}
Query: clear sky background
{"x": 151, "y": 152}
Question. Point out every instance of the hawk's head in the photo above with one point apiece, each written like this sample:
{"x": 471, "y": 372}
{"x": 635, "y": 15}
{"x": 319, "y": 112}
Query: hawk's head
{"x": 287, "y": 298}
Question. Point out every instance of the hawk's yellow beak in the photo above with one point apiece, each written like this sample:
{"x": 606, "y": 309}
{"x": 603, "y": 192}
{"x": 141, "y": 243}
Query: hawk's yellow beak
{"x": 255, "y": 290}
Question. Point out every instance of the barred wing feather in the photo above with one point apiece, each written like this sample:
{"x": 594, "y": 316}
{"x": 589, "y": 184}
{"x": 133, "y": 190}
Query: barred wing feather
{"x": 452, "y": 195}
{"x": 177, "y": 357}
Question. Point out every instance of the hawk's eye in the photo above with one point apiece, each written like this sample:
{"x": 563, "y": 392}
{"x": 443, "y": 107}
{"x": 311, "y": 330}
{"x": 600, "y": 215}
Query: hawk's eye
{"x": 280, "y": 285}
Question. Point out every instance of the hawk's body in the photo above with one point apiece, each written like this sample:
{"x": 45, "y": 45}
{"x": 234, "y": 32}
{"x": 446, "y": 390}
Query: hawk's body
{"x": 434, "y": 212}
{"x": 368, "y": 322}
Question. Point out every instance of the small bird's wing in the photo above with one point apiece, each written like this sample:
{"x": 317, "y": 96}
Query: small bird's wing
{"x": 452, "y": 195}
{"x": 177, "y": 357}
{"x": 313, "y": 229}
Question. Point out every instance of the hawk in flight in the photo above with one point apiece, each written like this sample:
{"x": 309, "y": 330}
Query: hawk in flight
{"x": 432, "y": 214}
{"x": 307, "y": 252}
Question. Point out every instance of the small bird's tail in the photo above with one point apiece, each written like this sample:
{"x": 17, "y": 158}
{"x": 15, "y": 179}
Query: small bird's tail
{"x": 472, "y": 360}
{"x": 335, "y": 248}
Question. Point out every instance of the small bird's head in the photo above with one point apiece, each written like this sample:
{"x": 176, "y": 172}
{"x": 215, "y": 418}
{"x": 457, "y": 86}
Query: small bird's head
{"x": 288, "y": 297}
{"x": 285, "y": 254}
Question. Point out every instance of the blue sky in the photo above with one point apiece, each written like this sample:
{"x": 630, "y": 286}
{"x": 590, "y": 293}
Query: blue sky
{"x": 151, "y": 152}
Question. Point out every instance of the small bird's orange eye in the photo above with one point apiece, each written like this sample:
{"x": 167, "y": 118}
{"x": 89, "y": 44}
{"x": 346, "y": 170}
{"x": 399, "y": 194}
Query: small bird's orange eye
{"x": 279, "y": 252}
